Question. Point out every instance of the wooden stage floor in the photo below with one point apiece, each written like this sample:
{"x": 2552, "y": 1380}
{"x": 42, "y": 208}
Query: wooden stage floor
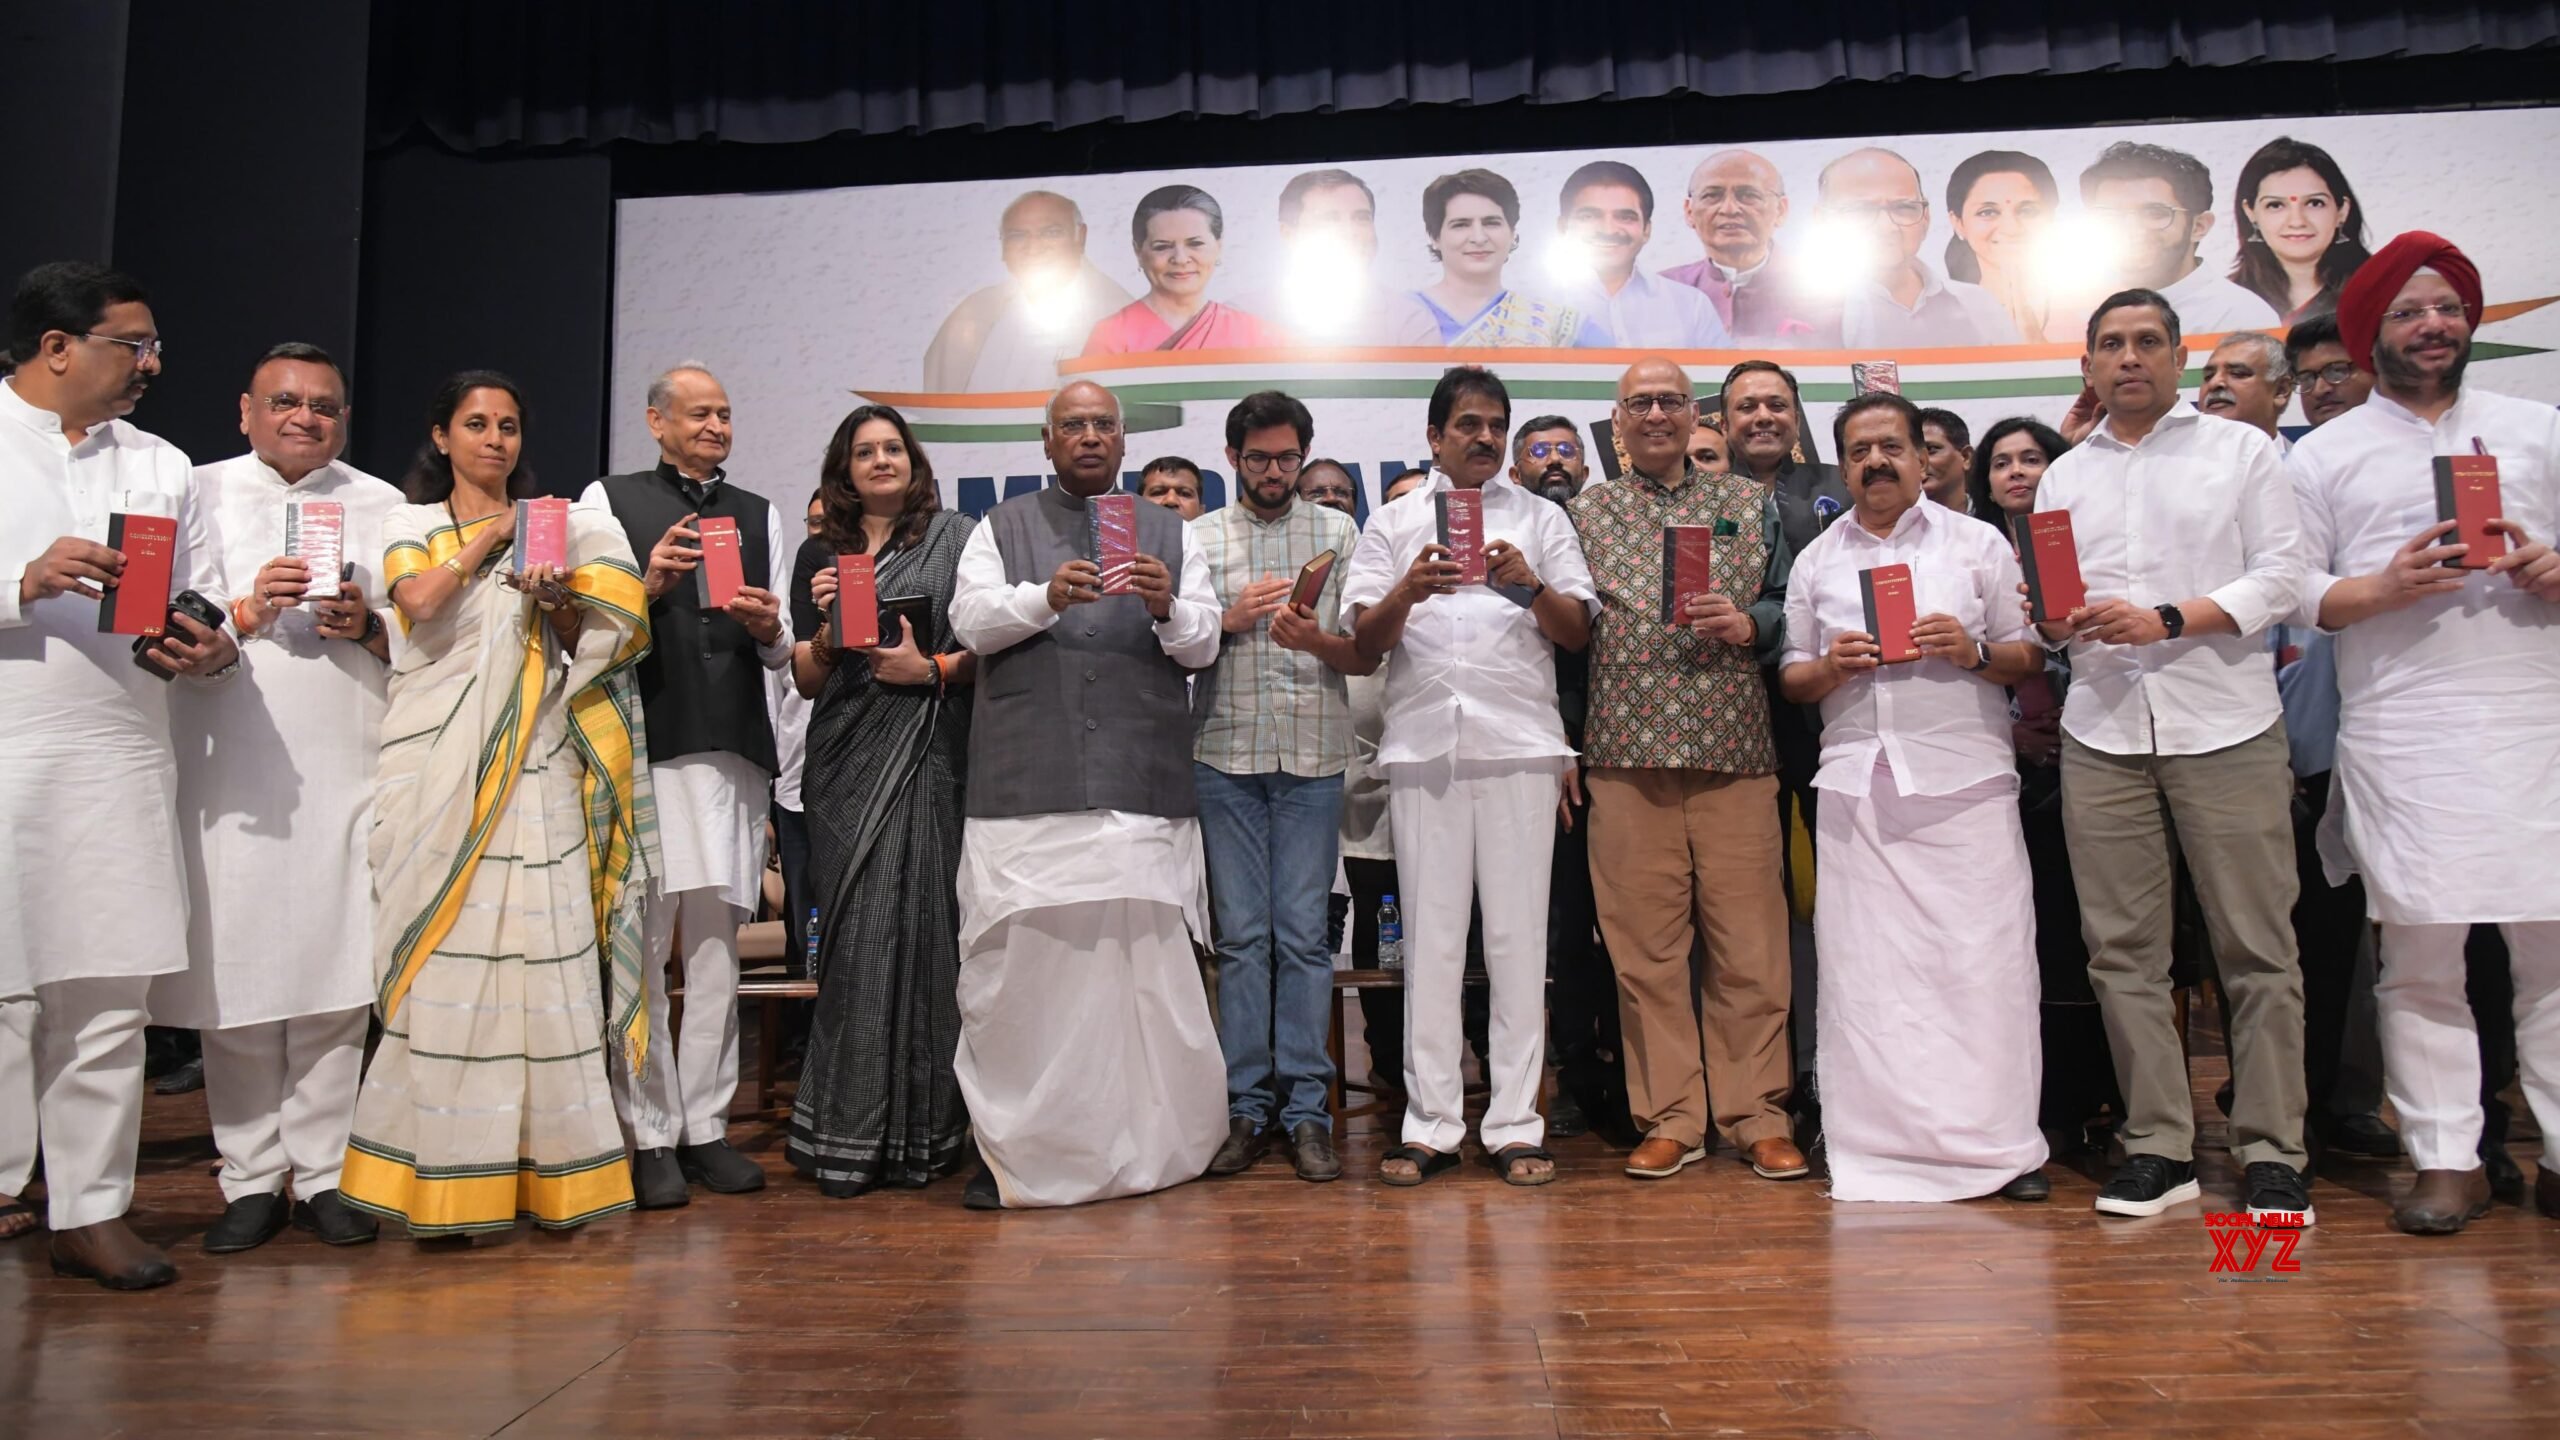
{"x": 1710, "y": 1304}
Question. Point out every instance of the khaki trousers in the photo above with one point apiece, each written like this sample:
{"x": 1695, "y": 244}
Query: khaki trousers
{"x": 1676, "y": 854}
{"x": 2233, "y": 813}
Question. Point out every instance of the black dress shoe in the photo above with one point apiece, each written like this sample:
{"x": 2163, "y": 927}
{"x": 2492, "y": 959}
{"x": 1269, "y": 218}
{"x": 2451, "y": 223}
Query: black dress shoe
{"x": 2028, "y": 1188}
{"x": 111, "y": 1254}
{"x": 247, "y": 1223}
{"x": 981, "y": 1193}
{"x": 1311, "y": 1151}
{"x": 336, "y": 1222}
{"x": 657, "y": 1181}
{"x": 1246, "y": 1142}
{"x": 717, "y": 1168}
{"x": 2361, "y": 1137}
{"x": 2506, "y": 1177}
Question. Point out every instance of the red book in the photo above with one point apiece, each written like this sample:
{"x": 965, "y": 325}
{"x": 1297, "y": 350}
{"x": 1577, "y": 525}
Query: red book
{"x": 2467, "y": 495}
{"x": 1461, "y": 514}
{"x": 1310, "y": 582}
{"x": 1867, "y": 377}
{"x": 723, "y": 571}
{"x": 1686, "y": 551}
{"x": 2050, "y": 561}
{"x": 542, "y": 534}
{"x": 1891, "y": 610}
{"x": 139, "y": 603}
{"x": 1112, "y": 544}
{"x": 315, "y": 533}
{"x": 857, "y": 603}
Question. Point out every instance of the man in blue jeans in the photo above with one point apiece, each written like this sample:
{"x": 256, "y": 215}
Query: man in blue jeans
{"x": 1272, "y": 747}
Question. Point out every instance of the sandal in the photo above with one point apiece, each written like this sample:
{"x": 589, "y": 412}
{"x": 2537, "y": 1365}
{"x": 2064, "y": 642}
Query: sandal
{"x": 1426, "y": 1163}
{"x": 16, "y": 1218}
{"x": 1506, "y": 1163}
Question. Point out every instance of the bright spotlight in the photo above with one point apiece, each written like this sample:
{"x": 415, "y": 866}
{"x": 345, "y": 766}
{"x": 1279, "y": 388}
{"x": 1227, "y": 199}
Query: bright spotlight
{"x": 1323, "y": 286}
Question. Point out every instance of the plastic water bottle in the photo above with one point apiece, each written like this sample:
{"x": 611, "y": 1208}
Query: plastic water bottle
{"x": 813, "y": 940}
{"x": 1390, "y": 934}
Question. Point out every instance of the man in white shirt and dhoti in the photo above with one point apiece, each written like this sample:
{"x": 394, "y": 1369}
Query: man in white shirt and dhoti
{"x": 1086, "y": 1056}
{"x": 2447, "y": 785}
{"x": 712, "y": 760}
{"x": 1930, "y": 1062}
{"x": 92, "y": 895}
{"x": 275, "y": 801}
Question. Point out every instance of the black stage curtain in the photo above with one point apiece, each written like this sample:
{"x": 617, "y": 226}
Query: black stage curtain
{"x": 483, "y": 75}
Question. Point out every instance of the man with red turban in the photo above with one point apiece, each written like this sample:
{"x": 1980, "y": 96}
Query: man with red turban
{"x": 2447, "y": 789}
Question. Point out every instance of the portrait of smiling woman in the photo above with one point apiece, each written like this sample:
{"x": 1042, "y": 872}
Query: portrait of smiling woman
{"x": 2301, "y": 231}
{"x": 1180, "y": 236}
{"x": 2000, "y": 204}
{"x": 1473, "y": 219}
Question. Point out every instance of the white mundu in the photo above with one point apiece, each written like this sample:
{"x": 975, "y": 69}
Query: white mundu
{"x": 92, "y": 897}
{"x": 275, "y": 799}
{"x": 2447, "y": 796}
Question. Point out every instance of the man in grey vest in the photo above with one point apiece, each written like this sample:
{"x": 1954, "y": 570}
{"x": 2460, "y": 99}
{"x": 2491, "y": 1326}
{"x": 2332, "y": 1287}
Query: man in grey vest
{"x": 712, "y": 762}
{"x": 1086, "y": 1052}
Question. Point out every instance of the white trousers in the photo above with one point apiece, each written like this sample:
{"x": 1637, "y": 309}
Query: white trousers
{"x": 17, "y": 1096}
{"x": 2431, "y": 1049}
{"x": 88, "y": 1054}
{"x": 684, "y": 1099}
{"x": 1086, "y": 1053}
{"x": 283, "y": 1099}
{"x": 1482, "y": 832}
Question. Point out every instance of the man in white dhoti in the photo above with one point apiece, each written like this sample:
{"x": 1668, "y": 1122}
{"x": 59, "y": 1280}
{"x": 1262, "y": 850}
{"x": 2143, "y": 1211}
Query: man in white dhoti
{"x": 1929, "y": 1064}
{"x": 2447, "y": 786}
{"x": 275, "y": 803}
{"x": 92, "y": 898}
{"x": 1086, "y": 1054}
{"x": 1011, "y": 335}
{"x": 17, "y": 1115}
{"x": 1476, "y": 762}
{"x": 712, "y": 761}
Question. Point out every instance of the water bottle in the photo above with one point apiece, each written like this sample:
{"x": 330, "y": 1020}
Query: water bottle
{"x": 813, "y": 941}
{"x": 1390, "y": 934}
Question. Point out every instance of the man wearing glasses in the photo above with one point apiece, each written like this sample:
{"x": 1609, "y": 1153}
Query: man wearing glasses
{"x": 2160, "y": 203}
{"x": 1898, "y": 299}
{"x": 1736, "y": 203}
{"x": 279, "y": 766}
{"x": 1684, "y": 789}
{"x": 1269, "y": 768}
{"x": 1606, "y": 212}
{"x": 2329, "y": 382}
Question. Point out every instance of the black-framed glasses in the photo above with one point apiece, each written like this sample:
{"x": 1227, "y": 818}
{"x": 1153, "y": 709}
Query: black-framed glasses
{"x": 142, "y": 349}
{"x": 1261, "y": 462}
{"x": 1326, "y": 489}
{"x": 2333, "y": 374}
{"x": 1554, "y": 450}
{"x": 1647, "y": 404}
{"x": 286, "y": 403}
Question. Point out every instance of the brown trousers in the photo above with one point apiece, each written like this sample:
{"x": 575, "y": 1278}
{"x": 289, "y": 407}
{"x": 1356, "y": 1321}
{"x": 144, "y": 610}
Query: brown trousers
{"x": 1676, "y": 854}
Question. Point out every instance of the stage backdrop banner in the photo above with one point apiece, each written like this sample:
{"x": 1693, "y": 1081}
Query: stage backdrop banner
{"x": 1970, "y": 260}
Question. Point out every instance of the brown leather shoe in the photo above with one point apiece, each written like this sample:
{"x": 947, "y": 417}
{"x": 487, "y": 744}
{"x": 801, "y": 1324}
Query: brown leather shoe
{"x": 1776, "y": 1158}
{"x": 2443, "y": 1201}
{"x": 2546, "y": 1190}
{"x": 111, "y": 1254}
{"x": 1660, "y": 1158}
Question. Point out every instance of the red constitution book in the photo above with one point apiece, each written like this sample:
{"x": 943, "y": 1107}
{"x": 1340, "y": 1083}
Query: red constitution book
{"x": 1112, "y": 544}
{"x": 723, "y": 571}
{"x": 139, "y": 603}
{"x": 542, "y": 534}
{"x": 857, "y": 603}
{"x": 1686, "y": 551}
{"x": 2050, "y": 561}
{"x": 1891, "y": 610}
{"x": 2467, "y": 495}
{"x": 315, "y": 533}
{"x": 1461, "y": 514}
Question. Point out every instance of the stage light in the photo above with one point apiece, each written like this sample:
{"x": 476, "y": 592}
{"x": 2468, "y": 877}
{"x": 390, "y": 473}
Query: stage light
{"x": 1049, "y": 300}
{"x": 2079, "y": 254}
{"x": 1324, "y": 285}
{"x": 1568, "y": 262}
{"x": 1838, "y": 255}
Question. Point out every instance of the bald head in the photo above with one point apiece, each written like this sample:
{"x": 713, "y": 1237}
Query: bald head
{"x": 1736, "y": 202}
{"x": 1878, "y": 193}
{"x": 1657, "y": 408}
{"x": 1043, "y": 232}
{"x": 1083, "y": 439}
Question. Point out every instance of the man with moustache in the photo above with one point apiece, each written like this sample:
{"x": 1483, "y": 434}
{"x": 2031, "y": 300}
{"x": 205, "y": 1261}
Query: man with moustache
{"x": 1324, "y": 482}
{"x": 2329, "y": 382}
{"x": 1268, "y": 766}
{"x": 1086, "y": 1053}
{"x": 1685, "y": 838}
{"x": 2447, "y": 797}
{"x": 1736, "y": 203}
{"x": 1011, "y": 335}
{"x": 275, "y": 783}
{"x": 1946, "y": 459}
{"x": 2248, "y": 379}
{"x": 1475, "y": 757}
{"x": 1172, "y": 482}
{"x": 93, "y": 899}
{"x": 2190, "y": 546}
{"x": 1900, "y": 299}
{"x": 712, "y": 760}
{"x": 2160, "y": 202}
{"x": 1606, "y": 209}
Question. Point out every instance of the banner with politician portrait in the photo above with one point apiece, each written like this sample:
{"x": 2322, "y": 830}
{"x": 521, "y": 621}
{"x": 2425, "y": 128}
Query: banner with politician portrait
{"x": 1970, "y": 261}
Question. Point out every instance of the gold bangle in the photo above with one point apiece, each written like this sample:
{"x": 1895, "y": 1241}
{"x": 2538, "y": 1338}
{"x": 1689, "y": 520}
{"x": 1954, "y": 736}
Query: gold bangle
{"x": 455, "y": 565}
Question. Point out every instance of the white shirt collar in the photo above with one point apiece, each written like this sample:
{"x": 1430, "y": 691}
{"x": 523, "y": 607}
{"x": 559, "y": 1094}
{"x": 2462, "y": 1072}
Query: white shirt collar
{"x": 2182, "y": 413}
{"x": 1743, "y": 277}
{"x": 18, "y": 408}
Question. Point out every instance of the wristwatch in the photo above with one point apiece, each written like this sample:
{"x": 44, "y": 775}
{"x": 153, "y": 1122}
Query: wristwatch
{"x": 1981, "y": 659}
{"x": 2172, "y": 621}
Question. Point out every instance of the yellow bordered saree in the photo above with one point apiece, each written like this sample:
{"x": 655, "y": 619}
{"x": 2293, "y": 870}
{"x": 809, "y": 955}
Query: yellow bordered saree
{"x": 512, "y": 845}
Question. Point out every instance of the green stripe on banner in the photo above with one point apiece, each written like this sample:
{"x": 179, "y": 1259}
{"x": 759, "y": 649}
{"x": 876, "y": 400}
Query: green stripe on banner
{"x": 1137, "y": 417}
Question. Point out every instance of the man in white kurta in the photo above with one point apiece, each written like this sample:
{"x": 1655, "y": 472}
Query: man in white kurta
{"x": 1475, "y": 758}
{"x": 712, "y": 760}
{"x": 1087, "y": 1056}
{"x": 92, "y": 897}
{"x": 2447, "y": 788}
{"x": 1929, "y": 1063}
{"x": 275, "y": 799}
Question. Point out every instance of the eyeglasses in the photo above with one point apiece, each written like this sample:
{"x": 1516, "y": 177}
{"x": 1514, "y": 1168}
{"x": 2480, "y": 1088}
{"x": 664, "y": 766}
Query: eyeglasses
{"x": 286, "y": 404}
{"x": 1286, "y": 462}
{"x": 1750, "y": 197}
{"x": 142, "y": 349}
{"x": 2154, "y": 216}
{"x": 1553, "y": 450}
{"x": 1326, "y": 490}
{"x": 2443, "y": 310}
{"x": 1105, "y": 426}
{"x": 2333, "y": 374}
{"x": 1903, "y": 213}
{"x": 1647, "y": 404}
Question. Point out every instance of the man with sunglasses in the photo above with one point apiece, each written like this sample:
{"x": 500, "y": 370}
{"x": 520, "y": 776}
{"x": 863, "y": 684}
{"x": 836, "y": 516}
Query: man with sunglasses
{"x": 279, "y": 764}
{"x": 2160, "y": 203}
{"x": 1899, "y": 299}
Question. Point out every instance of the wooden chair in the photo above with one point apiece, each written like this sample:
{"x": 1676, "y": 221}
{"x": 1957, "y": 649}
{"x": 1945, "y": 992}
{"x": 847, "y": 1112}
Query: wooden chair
{"x": 764, "y": 976}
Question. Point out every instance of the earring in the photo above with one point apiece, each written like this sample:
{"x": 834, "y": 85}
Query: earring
{"x": 2257, "y": 236}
